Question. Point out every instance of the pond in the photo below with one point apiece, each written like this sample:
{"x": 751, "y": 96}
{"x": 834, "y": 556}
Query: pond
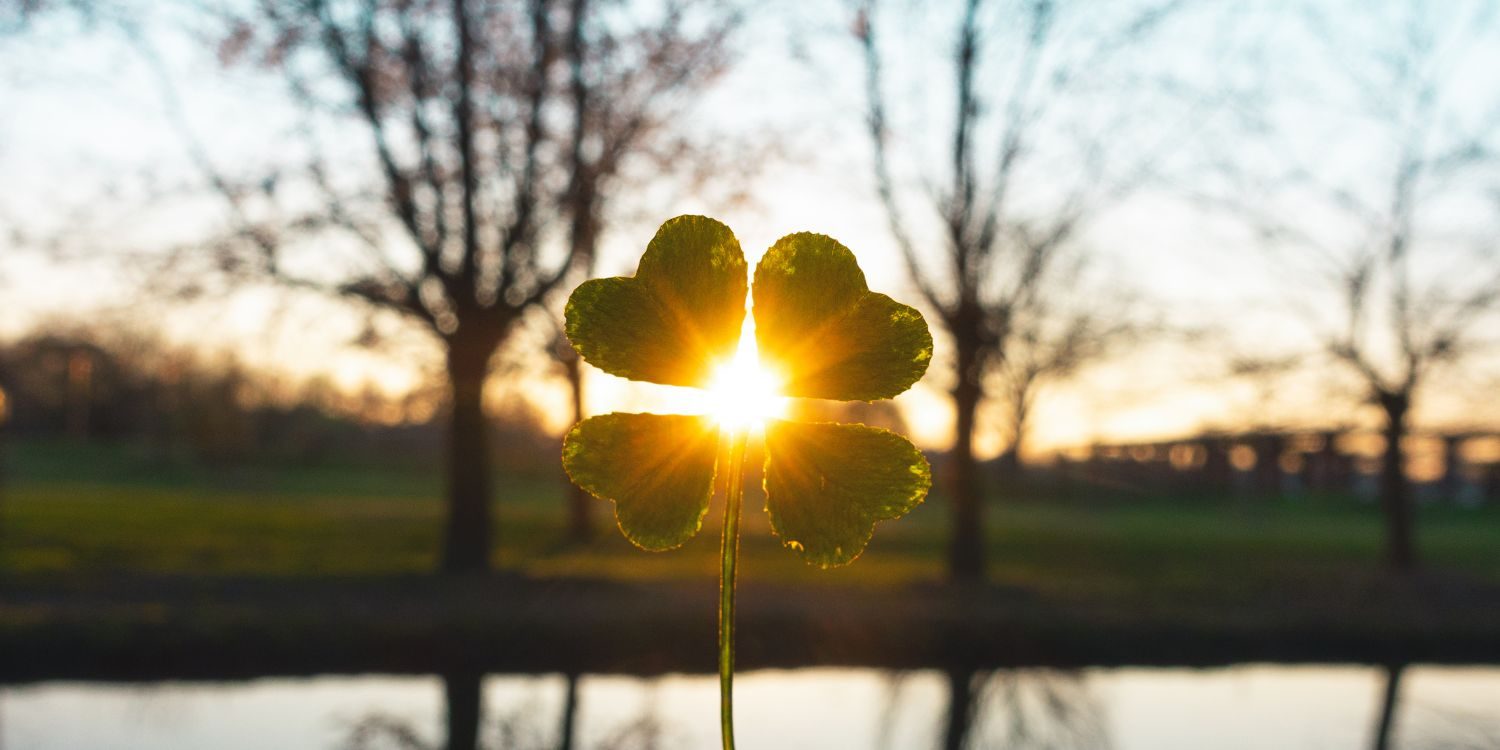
{"x": 1122, "y": 708}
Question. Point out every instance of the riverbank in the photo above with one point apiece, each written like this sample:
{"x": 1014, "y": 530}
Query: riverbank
{"x": 154, "y": 627}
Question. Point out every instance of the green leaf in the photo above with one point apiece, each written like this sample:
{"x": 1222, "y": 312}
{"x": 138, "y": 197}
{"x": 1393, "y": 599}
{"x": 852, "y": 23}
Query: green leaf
{"x": 677, "y": 318}
{"x": 821, "y": 328}
{"x": 657, "y": 468}
{"x": 827, "y": 485}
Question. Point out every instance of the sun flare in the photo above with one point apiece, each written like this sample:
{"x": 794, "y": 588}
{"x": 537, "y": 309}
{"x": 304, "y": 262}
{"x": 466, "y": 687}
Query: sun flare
{"x": 744, "y": 394}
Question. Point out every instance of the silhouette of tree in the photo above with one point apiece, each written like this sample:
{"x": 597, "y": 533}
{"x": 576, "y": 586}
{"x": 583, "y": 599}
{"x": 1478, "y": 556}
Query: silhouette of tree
{"x": 610, "y": 111}
{"x": 958, "y": 725}
{"x": 1391, "y": 286}
{"x": 463, "y": 699}
{"x": 496, "y": 132}
{"x": 1389, "y": 704}
{"x": 1008, "y": 215}
{"x": 1053, "y": 339}
{"x": 19, "y": 17}
{"x": 520, "y": 727}
{"x": 1022, "y": 709}
{"x": 568, "y": 727}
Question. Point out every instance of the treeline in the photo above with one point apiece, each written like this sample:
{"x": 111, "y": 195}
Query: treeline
{"x": 175, "y": 403}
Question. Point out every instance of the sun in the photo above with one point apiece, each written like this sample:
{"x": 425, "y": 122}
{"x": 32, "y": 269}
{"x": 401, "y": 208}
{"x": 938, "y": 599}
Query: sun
{"x": 744, "y": 394}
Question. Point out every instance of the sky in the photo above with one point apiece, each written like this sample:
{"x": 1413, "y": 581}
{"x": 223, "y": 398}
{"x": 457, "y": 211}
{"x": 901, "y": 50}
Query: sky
{"x": 88, "y": 151}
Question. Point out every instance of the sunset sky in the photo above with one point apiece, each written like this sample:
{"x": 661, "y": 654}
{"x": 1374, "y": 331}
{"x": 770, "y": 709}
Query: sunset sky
{"x": 88, "y": 151}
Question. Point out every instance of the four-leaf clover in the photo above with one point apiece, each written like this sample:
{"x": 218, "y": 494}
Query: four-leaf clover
{"x": 817, "y": 324}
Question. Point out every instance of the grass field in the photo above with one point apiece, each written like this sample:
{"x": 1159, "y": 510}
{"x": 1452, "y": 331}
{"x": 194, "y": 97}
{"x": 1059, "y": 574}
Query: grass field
{"x": 69, "y": 512}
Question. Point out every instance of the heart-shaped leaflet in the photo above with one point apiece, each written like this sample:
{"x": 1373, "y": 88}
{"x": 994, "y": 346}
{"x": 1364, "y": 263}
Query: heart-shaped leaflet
{"x": 820, "y": 327}
{"x": 677, "y": 318}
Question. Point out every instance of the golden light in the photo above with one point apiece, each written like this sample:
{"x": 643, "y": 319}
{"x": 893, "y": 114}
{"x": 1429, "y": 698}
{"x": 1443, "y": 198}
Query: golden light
{"x": 744, "y": 394}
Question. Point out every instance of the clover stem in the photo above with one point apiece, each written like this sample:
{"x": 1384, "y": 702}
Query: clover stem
{"x": 729, "y": 553}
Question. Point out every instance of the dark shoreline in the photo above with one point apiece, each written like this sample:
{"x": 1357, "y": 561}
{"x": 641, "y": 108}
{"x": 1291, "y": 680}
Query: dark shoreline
{"x": 175, "y": 628}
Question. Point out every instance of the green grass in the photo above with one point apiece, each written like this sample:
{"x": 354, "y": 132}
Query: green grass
{"x": 96, "y": 512}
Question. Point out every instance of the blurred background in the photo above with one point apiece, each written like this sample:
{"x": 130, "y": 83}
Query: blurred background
{"x": 1214, "y": 411}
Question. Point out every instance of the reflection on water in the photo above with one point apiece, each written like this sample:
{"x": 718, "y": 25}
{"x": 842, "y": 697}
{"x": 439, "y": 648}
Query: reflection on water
{"x": 1254, "y": 706}
{"x": 1023, "y": 709}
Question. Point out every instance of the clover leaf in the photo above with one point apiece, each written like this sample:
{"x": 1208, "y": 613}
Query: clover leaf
{"x": 676, "y": 318}
{"x": 827, "y": 485}
{"x": 658, "y": 468}
{"x": 819, "y": 326}
{"x": 817, "y": 321}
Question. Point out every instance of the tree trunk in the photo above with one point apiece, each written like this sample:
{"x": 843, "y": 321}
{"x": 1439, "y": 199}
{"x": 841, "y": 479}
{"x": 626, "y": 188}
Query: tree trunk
{"x": 1008, "y": 468}
{"x": 966, "y": 549}
{"x": 960, "y": 709}
{"x": 4, "y": 471}
{"x": 569, "y": 714}
{"x": 467, "y": 537}
{"x": 463, "y": 694}
{"x": 80, "y": 395}
{"x": 580, "y": 504}
{"x": 1395, "y": 492}
{"x": 1389, "y": 704}
{"x": 1453, "y": 468}
{"x": 1008, "y": 471}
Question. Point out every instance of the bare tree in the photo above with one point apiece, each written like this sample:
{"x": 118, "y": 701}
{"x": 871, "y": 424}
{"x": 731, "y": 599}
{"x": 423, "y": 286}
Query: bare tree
{"x": 497, "y": 132}
{"x": 1010, "y": 207}
{"x": 18, "y": 17}
{"x": 1023, "y": 709}
{"x": 625, "y": 90}
{"x": 1374, "y": 198}
{"x": 1054, "y": 338}
{"x": 1389, "y": 705}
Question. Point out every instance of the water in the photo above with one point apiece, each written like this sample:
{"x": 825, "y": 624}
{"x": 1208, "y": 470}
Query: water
{"x": 1250, "y": 706}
